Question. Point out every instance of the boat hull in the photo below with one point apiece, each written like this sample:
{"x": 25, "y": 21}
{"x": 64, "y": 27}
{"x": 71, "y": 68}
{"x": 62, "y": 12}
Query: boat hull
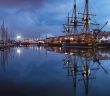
{"x": 82, "y": 46}
{"x": 78, "y": 45}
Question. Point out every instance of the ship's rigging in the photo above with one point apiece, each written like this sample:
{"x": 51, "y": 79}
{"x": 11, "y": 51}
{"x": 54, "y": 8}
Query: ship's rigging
{"x": 81, "y": 27}
{"x": 85, "y": 22}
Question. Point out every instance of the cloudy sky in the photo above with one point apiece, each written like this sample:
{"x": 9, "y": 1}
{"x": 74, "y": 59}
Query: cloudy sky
{"x": 31, "y": 17}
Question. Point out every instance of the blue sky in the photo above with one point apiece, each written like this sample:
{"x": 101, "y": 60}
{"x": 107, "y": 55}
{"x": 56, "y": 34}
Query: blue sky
{"x": 31, "y": 17}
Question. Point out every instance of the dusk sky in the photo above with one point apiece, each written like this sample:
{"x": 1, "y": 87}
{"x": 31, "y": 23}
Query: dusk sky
{"x": 30, "y": 17}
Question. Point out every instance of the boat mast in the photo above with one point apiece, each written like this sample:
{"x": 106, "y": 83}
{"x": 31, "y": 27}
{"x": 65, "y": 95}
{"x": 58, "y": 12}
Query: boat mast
{"x": 75, "y": 17}
{"x": 86, "y": 18}
{"x": 68, "y": 25}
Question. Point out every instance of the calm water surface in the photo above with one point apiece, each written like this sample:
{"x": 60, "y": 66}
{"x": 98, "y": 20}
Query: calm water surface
{"x": 32, "y": 71}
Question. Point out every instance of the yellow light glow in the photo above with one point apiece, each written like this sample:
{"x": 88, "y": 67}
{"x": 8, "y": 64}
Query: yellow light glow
{"x": 71, "y": 38}
{"x": 65, "y": 38}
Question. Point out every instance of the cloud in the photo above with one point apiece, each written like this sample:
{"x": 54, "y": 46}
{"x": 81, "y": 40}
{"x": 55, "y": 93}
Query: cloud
{"x": 40, "y": 16}
{"x": 17, "y": 3}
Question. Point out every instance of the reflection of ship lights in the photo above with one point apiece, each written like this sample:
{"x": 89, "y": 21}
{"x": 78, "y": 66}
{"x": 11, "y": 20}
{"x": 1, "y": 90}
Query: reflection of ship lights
{"x": 66, "y": 53}
{"x": 71, "y": 53}
{"x": 86, "y": 73}
{"x": 60, "y": 49}
{"x": 40, "y": 48}
{"x": 67, "y": 62}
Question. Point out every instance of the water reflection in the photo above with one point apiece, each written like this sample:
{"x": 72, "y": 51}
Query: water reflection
{"x": 82, "y": 65}
{"x": 18, "y": 50}
{"x": 39, "y": 68}
{"x": 4, "y": 56}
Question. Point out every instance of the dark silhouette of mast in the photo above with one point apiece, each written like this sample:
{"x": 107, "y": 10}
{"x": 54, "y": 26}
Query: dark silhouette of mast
{"x": 79, "y": 68}
{"x": 74, "y": 15}
{"x": 75, "y": 22}
{"x": 72, "y": 22}
{"x": 67, "y": 26}
{"x": 72, "y": 69}
{"x": 86, "y": 75}
{"x": 86, "y": 19}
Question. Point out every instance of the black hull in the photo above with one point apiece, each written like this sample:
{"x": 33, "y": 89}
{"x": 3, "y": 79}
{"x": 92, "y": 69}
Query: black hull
{"x": 59, "y": 45}
{"x": 104, "y": 45}
{"x": 83, "y": 46}
{"x": 80, "y": 46}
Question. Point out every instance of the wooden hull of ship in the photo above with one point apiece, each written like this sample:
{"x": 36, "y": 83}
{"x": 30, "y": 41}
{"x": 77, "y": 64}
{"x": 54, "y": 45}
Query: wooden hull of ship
{"x": 80, "y": 46}
{"x": 103, "y": 45}
{"x": 55, "y": 44}
{"x": 89, "y": 46}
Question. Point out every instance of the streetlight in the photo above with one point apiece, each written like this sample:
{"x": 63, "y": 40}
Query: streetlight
{"x": 18, "y": 37}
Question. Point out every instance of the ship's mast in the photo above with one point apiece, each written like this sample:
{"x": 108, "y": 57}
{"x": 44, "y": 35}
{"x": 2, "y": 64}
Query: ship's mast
{"x": 86, "y": 18}
{"x": 71, "y": 26}
{"x": 68, "y": 25}
{"x": 75, "y": 17}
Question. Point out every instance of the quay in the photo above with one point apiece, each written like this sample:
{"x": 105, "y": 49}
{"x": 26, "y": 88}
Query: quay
{"x": 75, "y": 41}
{"x": 78, "y": 41}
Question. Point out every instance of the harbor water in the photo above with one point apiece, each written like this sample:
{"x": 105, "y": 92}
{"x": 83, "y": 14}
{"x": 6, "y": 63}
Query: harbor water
{"x": 37, "y": 71}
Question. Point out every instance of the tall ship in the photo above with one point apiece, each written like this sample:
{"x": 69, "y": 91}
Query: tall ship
{"x": 78, "y": 31}
{"x": 81, "y": 31}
